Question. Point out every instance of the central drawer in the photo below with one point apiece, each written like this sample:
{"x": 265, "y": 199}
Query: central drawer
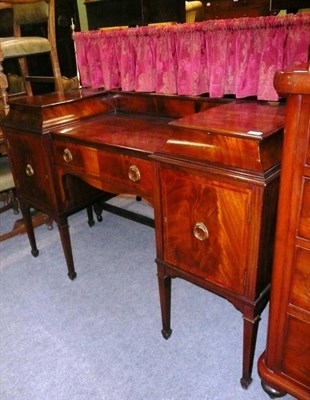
{"x": 108, "y": 170}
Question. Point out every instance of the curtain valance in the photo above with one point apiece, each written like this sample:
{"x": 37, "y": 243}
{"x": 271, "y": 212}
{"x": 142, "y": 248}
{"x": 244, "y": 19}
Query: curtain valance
{"x": 219, "y": 57}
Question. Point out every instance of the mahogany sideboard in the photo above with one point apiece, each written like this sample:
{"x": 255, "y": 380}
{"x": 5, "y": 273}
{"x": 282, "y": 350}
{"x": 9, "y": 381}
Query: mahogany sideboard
{"x": 285, "y": 365}
{"x": 209, "y": 167}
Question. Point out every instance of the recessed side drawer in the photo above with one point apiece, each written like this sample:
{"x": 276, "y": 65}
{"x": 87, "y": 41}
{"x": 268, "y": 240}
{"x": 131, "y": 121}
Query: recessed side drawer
{"x": 30, "y": 168}
{"x": 206, "y": 227}
{"x": 110, "y": 171}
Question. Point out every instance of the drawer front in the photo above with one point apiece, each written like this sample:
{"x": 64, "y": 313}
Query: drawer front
{"x": 234, "y": 13}
{"x": 113, "y": 172}
{"x": 243, "y": 4}
{"x": 225, "y": 5}
{"x": 30, "y": 169}
{"x": 296, "y": 352}
{"x": 304, "y": 221}
{"x": 300, "y": 289}
{"x": 206, "y": 228}
{"x": 235, "y": 8}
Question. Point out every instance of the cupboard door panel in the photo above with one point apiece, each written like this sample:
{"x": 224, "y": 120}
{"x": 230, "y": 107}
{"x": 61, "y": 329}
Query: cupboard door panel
{"x": 206, "y": 228}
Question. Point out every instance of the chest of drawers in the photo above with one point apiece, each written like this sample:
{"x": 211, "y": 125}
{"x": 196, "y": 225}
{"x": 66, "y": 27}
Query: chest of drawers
{"x": 285, "y": 365}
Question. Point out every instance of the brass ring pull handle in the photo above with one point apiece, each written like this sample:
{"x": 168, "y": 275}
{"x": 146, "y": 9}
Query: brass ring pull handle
{"x": 67, "y": 156}
{"x": 134, "y": 173}
{"x": 201, "y": 231}
{"x": 29, "y": 170}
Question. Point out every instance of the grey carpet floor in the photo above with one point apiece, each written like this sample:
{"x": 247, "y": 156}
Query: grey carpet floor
{"x": 98, "y": 337}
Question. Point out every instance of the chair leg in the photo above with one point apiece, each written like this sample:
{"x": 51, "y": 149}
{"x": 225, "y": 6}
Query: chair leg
{"x": 9, "y": 201}
{"x": 14, "y": 202}
{"x": 59, "y": 87}
{"x": 25, "y": 72}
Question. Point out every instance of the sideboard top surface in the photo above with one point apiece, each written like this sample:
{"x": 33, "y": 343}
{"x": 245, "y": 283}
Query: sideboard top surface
{"x": 241, "y": 135}
{"x": 247, "y": 120}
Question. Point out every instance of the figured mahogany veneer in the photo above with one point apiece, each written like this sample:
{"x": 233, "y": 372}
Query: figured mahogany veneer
{"x": 285, "y": 365}
{"x": 210, "y": 169}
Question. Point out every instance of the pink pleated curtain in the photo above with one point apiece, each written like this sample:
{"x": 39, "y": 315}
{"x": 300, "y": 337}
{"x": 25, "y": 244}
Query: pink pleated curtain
{"x": 219, "y": 57}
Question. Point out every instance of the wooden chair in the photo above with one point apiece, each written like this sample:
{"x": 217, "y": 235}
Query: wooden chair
{"x": 191, "y": 8}
{"x": 8, "y": 198}
{"x": 20, "y": 47}
{"x": 7, "y": 187}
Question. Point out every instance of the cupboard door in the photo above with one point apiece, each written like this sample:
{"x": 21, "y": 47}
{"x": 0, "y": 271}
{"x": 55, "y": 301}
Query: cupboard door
{"x": 206, "y": 228}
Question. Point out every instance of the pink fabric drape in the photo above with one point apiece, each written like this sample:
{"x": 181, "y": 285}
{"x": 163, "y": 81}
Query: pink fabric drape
{"x": 218, "y": 57}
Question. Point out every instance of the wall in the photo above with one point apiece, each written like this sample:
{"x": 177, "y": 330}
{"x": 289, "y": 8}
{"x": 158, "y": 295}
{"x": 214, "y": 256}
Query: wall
{"x": 83, "y": 17}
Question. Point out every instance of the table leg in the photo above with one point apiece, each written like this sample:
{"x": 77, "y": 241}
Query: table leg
{"x": 250, "y": 328}
{"x": 27, "y": 218}
{"x": 90, "y": 216}
{"x": 164, "y": 283}
{"x": 63, "y": 228}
